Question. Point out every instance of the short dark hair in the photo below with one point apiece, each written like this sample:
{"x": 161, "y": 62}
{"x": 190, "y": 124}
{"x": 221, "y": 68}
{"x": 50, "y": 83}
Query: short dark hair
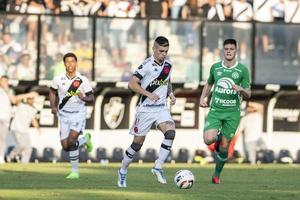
{"x": 162, "y": 41}
{"x": 229, "y": 41}
{"x": 4, "y": 76}
{"x": 70, "y": 55}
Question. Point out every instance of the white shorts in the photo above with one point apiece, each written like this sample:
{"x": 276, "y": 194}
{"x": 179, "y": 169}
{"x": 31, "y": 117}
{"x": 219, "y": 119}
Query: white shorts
{"x": 71, "y": 121}
{"x": 144, "y": 120}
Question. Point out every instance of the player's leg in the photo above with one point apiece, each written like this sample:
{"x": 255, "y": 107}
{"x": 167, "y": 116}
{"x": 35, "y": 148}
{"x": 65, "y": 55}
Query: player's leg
{"x": 221, "y": 158}
{"x": 212, "y": 136}
{"x": 130, "y": 153}
{"x": 140, "y": 128}
{"x": 166, "y": 125}
{"x": 86, "y": 139}
{"x": 73, "y": 146}
{"x": 3, "y": 133}
{"x": 17, "y": 149}
{"x": 229, "y": 128}
{"x": 26, "y": 148}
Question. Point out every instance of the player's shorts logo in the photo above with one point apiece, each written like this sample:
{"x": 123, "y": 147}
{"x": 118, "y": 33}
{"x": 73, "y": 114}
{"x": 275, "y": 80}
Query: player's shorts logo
{"x": 114, "y": 112}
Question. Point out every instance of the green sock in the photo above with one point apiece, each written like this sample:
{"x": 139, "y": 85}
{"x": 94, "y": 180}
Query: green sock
{"x": 221, "y": 158}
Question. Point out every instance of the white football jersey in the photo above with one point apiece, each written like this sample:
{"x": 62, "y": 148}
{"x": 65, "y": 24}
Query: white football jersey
{"x": 61, "y": 83}
{"x": 154, "y": 78}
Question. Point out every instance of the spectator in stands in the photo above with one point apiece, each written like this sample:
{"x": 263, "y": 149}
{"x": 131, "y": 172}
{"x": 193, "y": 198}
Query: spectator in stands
{"x": 34, "y": 7}
{"x": 242, "y": 12}
{"x": 25, "y": 70}
{"x": 176, "y": 9}
{"x": 11, "y": 49}
{"x": 119, "y": 30}
{"x": 157, "y": 9}
{"x": 3, "y": 65}
{"x": 252, "y": 126}
{"x": 213, "y": 11}
{"x": 292, "y": 15}
{"x": 7, "y": 98}
{"x": 24, "y": 116}
{"x": 263, "y": 13}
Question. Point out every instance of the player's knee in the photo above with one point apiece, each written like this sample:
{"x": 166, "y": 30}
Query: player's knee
{"x": 135, "y": 146}
{"x": 170, "y": 134}
{"x": 74, "y": 146}
{"x": 207, "y": 140}
{"x": 65, "y": 147}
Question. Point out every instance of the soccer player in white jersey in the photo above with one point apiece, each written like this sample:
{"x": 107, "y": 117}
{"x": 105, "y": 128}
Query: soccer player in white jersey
{"x": 74, "y": 90}
{"x": 152, "y": 81}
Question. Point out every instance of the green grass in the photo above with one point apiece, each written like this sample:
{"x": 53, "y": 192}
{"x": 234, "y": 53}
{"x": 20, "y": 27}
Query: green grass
{"x": 46, "y": 181}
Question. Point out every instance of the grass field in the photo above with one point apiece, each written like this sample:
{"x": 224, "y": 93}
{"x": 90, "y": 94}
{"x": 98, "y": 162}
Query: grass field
{"x": 46, "y": 181}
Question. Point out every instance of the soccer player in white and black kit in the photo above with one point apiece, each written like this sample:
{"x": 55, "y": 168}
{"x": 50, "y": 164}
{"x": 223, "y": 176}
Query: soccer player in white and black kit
{"x": 152, "y": 81}
{"x": 74, "y": 90}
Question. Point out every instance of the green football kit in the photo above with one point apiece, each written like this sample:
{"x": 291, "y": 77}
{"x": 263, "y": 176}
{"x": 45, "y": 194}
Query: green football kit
{"x": 224, "y": 114}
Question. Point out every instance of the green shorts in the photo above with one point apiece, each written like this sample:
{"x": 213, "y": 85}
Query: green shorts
{"x": 226, "y": 122}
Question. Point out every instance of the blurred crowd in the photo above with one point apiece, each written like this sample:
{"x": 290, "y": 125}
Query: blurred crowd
{"x": 72, "y": 31}
{"x": 239, "y": 10}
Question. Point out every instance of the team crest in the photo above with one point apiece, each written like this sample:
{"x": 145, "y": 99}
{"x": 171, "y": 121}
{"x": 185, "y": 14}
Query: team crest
{"x": 76, "y": 83}
{"x": 235, "y": 75}
{"x": 166, "y": 70}
{"x": 114, "y": 112}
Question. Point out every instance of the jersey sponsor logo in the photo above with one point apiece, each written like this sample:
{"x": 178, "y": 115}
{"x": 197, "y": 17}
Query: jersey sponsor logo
{"x": 225, "y": 102}
{"x": 113, "y": 112}
{"x": 235, "y": 75}
{"x": 224, "y": 86}
{"x": 159, "y": 82}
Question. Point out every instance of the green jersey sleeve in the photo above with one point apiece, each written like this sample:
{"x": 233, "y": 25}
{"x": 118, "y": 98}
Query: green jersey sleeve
{"x": 245, "y": 83}
{"x": 211, "y": 78}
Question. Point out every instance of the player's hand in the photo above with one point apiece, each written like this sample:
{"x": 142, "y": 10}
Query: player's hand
{"x": 172, "y": 98}
{"x": 237, "y": 88}
{"x": 203, "y": 103}
{"x": 80, "y": 95}
{"x": 153, "y": 97}
{"x": 54, "y": 110}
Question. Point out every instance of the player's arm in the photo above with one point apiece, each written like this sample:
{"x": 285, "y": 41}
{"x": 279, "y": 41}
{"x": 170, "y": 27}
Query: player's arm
{"x": 245, "y": 92}
{"x": 87, "y": 97}
{"x": 165, "y": 8}
{"x": 134, "y": 85}
{"x": 143, "y": 8}
{"x": 170, "y": 93}
{"x": 36, "y": 125}
{"x": 53, "y": 100}
{"x": 205, "y": 93}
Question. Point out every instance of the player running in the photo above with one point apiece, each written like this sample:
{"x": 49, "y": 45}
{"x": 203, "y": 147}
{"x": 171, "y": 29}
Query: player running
{"x": 74, "y": 90}
{"x": 152, "y": 81}
{"x": 231, "y": 81}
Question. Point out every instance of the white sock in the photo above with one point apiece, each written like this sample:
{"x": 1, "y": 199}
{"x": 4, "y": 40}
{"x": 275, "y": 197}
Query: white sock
{"x": 74, "y": 159}
{"x": 163, "y": 153}
{"x": 81, "y": 141}
{"x": 128, "y": 158}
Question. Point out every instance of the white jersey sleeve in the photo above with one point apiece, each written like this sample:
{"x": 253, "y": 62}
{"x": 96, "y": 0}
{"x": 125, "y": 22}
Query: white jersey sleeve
{"x": 85, "y": 87}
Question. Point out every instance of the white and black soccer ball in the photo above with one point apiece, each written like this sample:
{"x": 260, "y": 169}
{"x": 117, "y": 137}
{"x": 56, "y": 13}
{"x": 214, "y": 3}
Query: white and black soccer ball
{"x": 184, "y": 179}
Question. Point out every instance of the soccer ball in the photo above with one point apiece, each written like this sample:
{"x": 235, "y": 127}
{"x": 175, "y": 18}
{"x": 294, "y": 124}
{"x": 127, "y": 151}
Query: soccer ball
{"x": 184, "y": 179}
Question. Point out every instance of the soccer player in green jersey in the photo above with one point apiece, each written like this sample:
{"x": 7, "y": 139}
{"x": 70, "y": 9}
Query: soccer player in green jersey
{"x": 230, "y": 81}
